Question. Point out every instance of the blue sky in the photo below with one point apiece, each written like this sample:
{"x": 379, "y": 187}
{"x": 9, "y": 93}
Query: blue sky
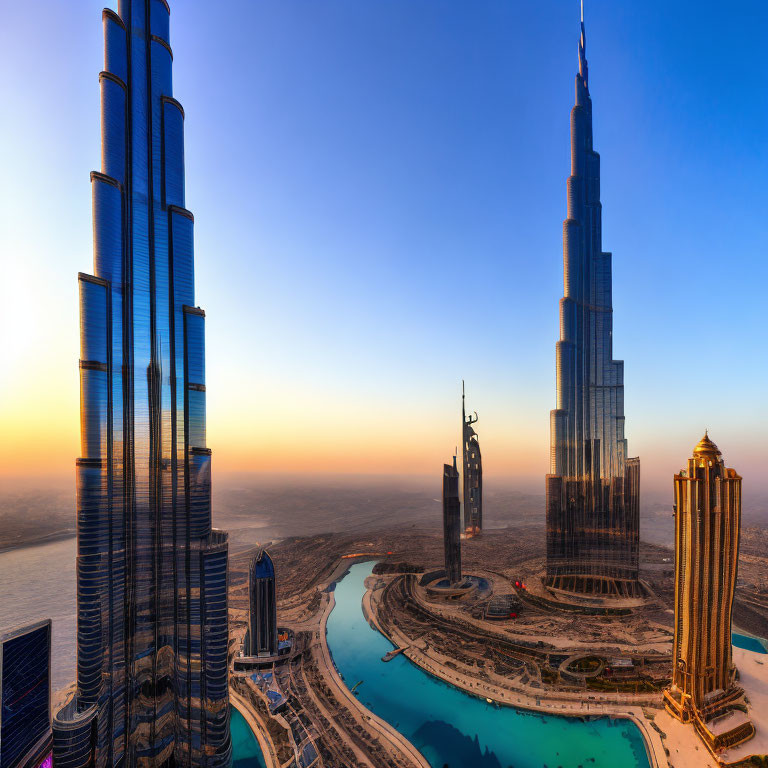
{"x": 379, "y": 189}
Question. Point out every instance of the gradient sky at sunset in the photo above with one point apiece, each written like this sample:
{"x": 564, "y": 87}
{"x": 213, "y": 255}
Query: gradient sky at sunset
{"x": 379, "y": 189}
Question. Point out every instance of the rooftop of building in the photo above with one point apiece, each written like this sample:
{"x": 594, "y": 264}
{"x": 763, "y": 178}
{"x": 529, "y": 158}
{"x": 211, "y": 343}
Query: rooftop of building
{"x": 705, "y": 447}
{"x": 262, "y": 566}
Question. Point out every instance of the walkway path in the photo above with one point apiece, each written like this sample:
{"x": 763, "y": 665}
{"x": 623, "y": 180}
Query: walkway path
{"x": 266, "y": 744}
{"x": 388, "y": 734}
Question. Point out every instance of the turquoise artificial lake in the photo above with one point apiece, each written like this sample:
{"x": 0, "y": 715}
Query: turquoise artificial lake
{"x": 246, "y": 752}
{"x": 452, "y": 728}
{"x": 748, "y": 643}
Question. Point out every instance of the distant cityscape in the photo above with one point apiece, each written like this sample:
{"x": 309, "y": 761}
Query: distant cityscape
{"x": 586, "y": 644}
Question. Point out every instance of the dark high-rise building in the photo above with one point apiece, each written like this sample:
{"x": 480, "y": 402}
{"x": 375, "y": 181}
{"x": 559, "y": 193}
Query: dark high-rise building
{"x": 593, "y": 489}
{"x": 25, "y": 696}
{"x": 261, "y": 639}
{"x": 152, "y": 625}
{"x": 704, "y": 690}
{"x": 473, "y": 472}
{"x": 452, "y": 522}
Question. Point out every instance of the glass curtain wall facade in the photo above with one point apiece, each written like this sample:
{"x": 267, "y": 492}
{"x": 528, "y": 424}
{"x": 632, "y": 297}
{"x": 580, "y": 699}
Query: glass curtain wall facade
{"x": 473, "y": 472}
{"x": 452, "y": 522}
{"x": 25, "y": 696}
{"x": 593, "y": 487}
{"x": 152, "y": 624}
{"x": 262, "y": 616}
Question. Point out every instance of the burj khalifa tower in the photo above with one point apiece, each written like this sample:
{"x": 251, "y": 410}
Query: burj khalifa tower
{"x": 593, "y": 486}
{"x": 152, "y": 623}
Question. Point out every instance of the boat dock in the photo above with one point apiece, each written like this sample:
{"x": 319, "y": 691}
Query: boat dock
{"x": 396, "y": 652}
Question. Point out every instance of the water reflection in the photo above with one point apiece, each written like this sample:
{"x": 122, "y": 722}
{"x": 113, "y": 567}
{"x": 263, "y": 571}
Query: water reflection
{"x": 450, "y": 743}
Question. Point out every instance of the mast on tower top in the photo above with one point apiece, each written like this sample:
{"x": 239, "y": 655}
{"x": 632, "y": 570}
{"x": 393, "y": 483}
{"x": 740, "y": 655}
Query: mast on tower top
{"x": 583, "y": 49}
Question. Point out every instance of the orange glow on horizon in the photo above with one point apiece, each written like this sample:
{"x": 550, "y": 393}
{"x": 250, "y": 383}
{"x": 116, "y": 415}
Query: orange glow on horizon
{"x": 41, "y": 437}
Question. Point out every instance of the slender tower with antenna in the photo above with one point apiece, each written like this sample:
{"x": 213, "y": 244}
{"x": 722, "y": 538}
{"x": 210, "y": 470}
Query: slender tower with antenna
{"x": 593, "y": 486}
{"x": 473, "y": 472}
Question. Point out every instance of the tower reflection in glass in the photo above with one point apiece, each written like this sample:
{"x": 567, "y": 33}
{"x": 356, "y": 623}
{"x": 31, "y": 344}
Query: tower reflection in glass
{"x": 593, "y": 489}
{"x": 152, "y": 632}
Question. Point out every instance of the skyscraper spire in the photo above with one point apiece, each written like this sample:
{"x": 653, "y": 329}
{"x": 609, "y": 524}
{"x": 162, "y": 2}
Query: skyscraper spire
{"x": 583, "y": 50}
{"x": 593, "y": 488}
{"x": 152, "y": 627}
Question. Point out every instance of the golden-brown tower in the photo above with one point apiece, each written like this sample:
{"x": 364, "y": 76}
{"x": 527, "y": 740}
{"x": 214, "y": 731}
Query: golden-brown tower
{"x": 707, "y": 527}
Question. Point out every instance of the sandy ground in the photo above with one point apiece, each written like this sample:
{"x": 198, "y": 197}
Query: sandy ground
{"x": 686, "y": 749}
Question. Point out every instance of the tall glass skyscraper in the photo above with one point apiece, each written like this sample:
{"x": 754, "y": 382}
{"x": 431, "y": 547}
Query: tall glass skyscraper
{"x": 25, "y": 696}
{"x": 261, "y": 638}
{"x": 152, "y": 625}
{"x": 452, "y": 523}
{"x": 593, "y": 488}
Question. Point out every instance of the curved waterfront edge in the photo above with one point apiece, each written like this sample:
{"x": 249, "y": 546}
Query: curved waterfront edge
{"x": 259, "y": 730}
{"x": 382, "y": 726}
{"x": 749, "y": 642}
{"x": 654, "y": 747}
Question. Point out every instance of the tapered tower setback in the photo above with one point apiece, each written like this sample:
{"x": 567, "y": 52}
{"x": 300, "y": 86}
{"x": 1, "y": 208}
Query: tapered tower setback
{"x": 593, "y": 488}
{"x": 152, "y": 631}
{"x": 473, "y": 473}
{"x": 707, "y": 532}
{"x": 452, "y": 522}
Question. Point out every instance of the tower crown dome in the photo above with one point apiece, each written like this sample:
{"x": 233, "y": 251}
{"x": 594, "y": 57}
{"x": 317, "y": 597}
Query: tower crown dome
{"x": 705, "y": 447}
